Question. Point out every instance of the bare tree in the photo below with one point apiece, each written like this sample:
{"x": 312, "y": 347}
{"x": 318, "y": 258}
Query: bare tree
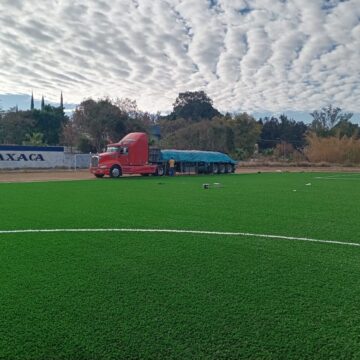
{"x": 326, "y": 118}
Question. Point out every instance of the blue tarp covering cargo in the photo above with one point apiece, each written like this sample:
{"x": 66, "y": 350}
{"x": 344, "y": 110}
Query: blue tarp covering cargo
{"x": 195, "y": 156}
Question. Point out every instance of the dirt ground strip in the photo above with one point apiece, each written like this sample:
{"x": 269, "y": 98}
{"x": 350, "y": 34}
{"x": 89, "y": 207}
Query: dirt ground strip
{"x": 44, "y": 175}
{"x": 69, "y": 175}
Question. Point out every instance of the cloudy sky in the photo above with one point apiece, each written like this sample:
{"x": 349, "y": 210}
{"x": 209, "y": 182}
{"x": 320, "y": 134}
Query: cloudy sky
{"x": 248, "y": 55}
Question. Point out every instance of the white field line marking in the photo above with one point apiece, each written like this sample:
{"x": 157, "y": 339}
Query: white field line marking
{"x": 198, "y": 232}
{"x": 328, "y": 178}
{"x": 355, "y": 176}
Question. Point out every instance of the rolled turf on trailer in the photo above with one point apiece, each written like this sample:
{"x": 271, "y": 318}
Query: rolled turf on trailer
{"x": 199, "y": 161}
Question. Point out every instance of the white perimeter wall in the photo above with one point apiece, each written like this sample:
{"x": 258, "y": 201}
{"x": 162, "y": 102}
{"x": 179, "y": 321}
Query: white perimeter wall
{"x": 27, "y": 157}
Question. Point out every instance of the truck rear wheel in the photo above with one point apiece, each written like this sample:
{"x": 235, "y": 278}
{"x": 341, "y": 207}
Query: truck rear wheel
{"x": 115, "y": 171}
{"x": 160, "y": 171}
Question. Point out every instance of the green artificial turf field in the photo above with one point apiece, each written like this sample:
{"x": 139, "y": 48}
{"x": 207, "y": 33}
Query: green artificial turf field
{"x": 131, "y": 295}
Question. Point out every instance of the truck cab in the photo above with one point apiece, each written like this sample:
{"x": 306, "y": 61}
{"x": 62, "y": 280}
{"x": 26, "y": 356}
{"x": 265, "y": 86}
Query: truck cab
{"x": 129, "y": 156}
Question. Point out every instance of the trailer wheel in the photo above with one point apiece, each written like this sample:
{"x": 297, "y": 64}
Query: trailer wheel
{"x": 228, "y": 168}
{"x": 115, "y": 171}
{"x": 160, "y": 171}
{"x": 215, "y": 168}
{"x": 221, "y": 169}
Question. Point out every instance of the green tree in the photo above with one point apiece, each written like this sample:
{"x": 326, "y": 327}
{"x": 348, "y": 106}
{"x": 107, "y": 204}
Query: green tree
{"x": 14, "y": 126}
{"x": 214, "y": 135}
{"x": 99, "y": 121}
{"x": 236, "y": 136}
{"x": 246, "y": 134}
{"x": 193, "y": 106}
{"x": 32, "y": 101}
{"x": 103, "y": 121}
{"x": 168, "y": 128}
{"x": 137, "y": 120}
{"x": 49, "y": 121}
{"x": 275, "y": 131}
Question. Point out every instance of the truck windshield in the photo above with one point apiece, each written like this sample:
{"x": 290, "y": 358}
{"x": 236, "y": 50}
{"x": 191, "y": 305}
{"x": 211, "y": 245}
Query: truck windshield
{"x": 111, "y": 149}
{"x": 119, "y": 149}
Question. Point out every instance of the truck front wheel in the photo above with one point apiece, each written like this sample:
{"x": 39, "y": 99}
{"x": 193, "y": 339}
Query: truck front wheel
{"x": 115, "y": 171}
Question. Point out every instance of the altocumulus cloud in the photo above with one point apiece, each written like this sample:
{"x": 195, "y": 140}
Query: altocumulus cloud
{"x": 254, "y": 55}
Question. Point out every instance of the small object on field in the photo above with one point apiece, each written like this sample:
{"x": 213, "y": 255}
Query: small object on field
{"x": 308, "y": 184}
{"x": 212, "y": 186}
{"x": 294, "y": 190}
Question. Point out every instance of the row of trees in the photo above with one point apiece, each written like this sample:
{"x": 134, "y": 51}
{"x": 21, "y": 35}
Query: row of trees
{"x": 194, "y": 123}
{"x": 92, "y": 125}
{"x": 35, "y": 127}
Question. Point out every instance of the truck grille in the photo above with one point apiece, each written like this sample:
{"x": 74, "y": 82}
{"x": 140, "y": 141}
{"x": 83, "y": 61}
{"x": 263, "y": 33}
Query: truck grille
{"x": 94, "y": 161}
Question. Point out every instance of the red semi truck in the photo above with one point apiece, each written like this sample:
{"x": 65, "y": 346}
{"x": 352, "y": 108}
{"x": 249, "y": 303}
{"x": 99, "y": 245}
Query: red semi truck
{"x": 132, "y": 155}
